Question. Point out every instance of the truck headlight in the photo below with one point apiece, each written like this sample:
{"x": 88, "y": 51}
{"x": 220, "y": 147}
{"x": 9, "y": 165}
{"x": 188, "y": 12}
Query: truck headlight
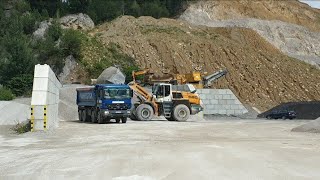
{"x": 106, "y": 112}
{"x": 129, "y": 112}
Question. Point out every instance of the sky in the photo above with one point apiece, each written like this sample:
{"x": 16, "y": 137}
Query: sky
{"x": 312, "y": 3}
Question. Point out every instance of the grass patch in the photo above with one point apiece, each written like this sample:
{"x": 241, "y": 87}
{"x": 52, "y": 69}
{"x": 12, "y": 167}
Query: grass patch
{"x": 147, "y": 29}
{"x": 21, "y": 128}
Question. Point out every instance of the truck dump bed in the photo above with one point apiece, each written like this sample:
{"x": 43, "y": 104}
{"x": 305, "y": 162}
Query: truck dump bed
{"x": 86, "y": 96}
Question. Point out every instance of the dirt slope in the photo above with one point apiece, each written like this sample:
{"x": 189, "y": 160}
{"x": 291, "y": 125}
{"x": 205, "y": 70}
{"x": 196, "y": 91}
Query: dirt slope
{"x": 290, "y": 26}
{"x": 290, "y": 11}
{"x": 258, "y": 73}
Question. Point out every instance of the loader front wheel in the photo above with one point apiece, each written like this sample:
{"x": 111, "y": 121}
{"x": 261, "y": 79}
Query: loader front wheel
{"x": 181, "y": 113}
{"x": 144, "y": 112}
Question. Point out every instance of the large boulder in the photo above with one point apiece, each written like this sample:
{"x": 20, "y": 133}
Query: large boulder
{"x": 43, "y": 28}
{"x": 69, "y": 65}
{"x": 77, "y": 21}
{"x": 111, "y": 75}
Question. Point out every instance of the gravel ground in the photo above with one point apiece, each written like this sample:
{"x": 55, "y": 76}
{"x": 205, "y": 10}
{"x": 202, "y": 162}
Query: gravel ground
{"x": 220, "y": 149}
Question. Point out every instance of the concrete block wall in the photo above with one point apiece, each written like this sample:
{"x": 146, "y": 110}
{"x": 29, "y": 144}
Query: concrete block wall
{"x": 221, "y": 102}
{"x": 45, "y": 98}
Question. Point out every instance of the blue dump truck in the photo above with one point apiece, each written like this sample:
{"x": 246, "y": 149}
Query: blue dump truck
{"x": 103, "y": 102}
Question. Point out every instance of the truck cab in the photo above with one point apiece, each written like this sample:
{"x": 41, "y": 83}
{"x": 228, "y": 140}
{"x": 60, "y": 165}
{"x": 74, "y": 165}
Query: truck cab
{"x": 104, "y": 102}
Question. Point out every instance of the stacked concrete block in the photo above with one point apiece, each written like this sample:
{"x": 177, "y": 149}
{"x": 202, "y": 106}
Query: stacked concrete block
{"x": 220, "y": 102}
{"x": 45, "y": 99}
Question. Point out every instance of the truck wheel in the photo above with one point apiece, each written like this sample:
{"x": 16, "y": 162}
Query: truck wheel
{"x": 93, "y": 116}
{"x": 170, "y": 119}
{"x": 181, "y": 113}
{"x": 84, "y": 116}
{"x": 144, "y": 112}
{"x": 100, "y": 118}
{"x": 80, "y": 115}
{"x": 117, "y": 120}
{"x": 88, "y": 118}
{"x": 124, "y": 120}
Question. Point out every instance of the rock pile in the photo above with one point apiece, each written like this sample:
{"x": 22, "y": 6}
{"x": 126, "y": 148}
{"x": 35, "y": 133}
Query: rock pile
{"x": 304, "y": 110}
{"x": 312, "y": 127}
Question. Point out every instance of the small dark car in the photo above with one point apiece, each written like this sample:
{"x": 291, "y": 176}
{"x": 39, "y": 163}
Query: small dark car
{"x": 282, "y": 114}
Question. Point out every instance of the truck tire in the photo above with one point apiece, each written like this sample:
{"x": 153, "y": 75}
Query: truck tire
{"x": 100, "y": 118}
{"x": 181, "y": 113}
{"x": 144, "y": 112}
{"x": 124, "y": 120}
{"x": 87, "y": 115}
{"x": 80, "y": 115}
{"x": 117, "y": 120}
{"x": 84, "y": 115}
{"x": 93, "y": 116}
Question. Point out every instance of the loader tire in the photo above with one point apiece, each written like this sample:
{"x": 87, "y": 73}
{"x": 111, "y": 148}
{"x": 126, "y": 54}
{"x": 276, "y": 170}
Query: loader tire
{"x": 144, "y": 112}
{"x": 181, "y": 113}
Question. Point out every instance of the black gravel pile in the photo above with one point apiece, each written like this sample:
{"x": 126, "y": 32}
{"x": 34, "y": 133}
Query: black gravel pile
{"x": 304, "y": 110}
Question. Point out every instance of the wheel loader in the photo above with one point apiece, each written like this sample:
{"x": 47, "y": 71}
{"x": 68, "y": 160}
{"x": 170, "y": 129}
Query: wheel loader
{"x": 163, "y": 101}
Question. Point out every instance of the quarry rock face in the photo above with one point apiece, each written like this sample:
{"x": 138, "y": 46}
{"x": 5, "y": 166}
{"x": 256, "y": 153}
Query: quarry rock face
{"x": 77, "y": 21}
{"x": 295, "y": 31}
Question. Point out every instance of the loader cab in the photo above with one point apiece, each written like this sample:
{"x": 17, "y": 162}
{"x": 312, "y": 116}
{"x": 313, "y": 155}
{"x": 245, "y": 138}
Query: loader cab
{"x": 162, "y": 92}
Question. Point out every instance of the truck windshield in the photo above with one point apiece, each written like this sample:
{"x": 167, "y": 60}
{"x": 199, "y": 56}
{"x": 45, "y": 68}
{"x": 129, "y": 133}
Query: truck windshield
{"x": 117, "y": 93}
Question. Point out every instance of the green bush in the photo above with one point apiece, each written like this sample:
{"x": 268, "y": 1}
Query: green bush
{"x": 128, "y": 73}
{"x": 21, "y": 128}
{"x": 71, "y": 43}
{"x": 54, "y": 31}
{"x": 6, "y": 94}
{"x": 21, "y": 85}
